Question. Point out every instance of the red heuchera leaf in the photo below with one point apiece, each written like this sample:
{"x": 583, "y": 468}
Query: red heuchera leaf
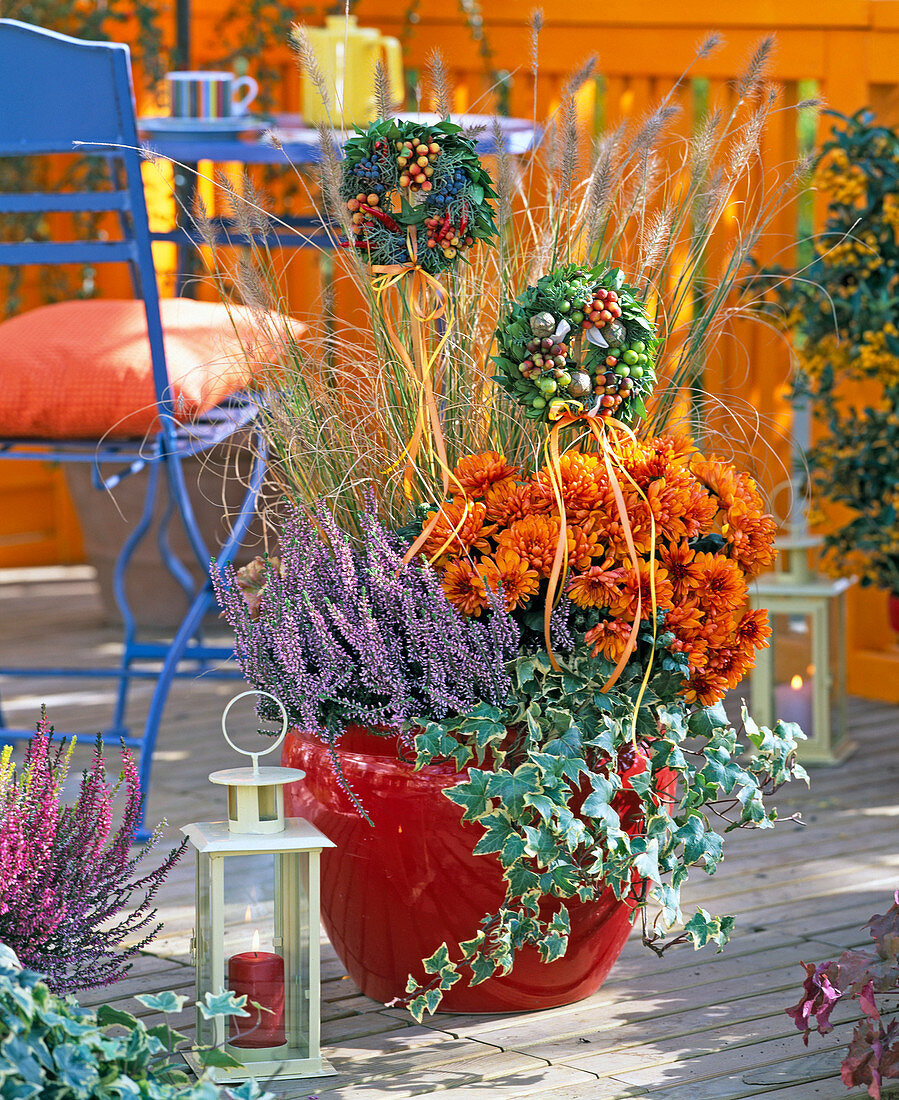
{"x": 873, "y": 1056}
{"x": 866, "y": 1001}
{"x": 885, "y": 931}
{"x": 820, "y": 994}
{"x": 860, "y": 1064}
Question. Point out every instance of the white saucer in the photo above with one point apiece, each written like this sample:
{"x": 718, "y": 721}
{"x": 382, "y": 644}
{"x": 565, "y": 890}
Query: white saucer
{"x": 210, "y": 128}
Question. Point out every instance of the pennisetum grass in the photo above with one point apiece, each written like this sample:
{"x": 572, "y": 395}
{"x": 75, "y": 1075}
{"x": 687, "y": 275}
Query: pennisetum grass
{"x": 341, "y": 407}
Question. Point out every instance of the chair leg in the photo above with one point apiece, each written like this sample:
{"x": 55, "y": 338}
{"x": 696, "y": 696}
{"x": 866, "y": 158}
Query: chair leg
{"x": 121, "y": 595}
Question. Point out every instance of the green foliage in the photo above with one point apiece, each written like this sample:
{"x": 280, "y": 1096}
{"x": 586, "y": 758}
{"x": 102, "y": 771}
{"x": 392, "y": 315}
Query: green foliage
{"x": 842, "y": 316}
{"x": 571, "y": 806}
{"x": 53, "y": 1049}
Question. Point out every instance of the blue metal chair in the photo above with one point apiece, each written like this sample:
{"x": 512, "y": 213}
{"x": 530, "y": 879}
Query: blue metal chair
{"x": 56, "y": 91}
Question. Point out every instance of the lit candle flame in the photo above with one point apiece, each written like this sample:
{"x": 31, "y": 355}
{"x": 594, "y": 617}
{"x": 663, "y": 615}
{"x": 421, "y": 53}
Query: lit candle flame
{"x": 796, "y": 682}
{"x": 247, "y": 916}
{"x": 256, "y": 940}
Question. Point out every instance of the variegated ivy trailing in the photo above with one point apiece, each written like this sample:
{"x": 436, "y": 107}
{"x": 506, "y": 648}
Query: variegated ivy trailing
{"x": 644, "y": 816}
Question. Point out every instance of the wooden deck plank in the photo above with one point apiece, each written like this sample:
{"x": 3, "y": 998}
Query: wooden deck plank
{"x": 692, "y": 1026}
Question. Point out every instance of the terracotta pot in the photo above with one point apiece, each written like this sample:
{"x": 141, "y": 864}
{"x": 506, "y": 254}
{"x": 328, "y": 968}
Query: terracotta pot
{"x": 893, "y": 610}
{"x": 393, "y": 893}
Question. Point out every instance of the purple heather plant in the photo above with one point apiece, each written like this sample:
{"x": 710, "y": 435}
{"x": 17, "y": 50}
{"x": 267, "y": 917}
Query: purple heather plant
{"x": 66, "y": 878}
{"x": 348, "y": 634}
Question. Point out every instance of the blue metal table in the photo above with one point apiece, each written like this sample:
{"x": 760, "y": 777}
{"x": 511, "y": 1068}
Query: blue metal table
{"x": 285, "y": 140}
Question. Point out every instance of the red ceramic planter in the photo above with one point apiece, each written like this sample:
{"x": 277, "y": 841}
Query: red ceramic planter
{"x": 893, "y": 610}
{"x": 393, "y": 893}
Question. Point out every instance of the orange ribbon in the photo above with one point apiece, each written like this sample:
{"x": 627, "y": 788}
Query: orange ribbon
{"x": 559, "y": 570}
{"x": 426, "y": 302}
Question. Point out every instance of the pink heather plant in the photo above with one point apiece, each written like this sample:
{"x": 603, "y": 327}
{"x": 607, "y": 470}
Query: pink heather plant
{"x": 65, "y": 876}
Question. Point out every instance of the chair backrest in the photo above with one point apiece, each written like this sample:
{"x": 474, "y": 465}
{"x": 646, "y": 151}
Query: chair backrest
{"x": 56, "y": 93}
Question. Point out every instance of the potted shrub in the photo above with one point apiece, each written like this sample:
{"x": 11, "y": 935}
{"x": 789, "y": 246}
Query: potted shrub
{"x": 503, "y": 631}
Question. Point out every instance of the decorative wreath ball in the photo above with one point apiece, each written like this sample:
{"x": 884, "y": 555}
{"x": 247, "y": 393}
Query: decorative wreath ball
{"x": 402, "y": 174}
{"x": 578, "y": 341}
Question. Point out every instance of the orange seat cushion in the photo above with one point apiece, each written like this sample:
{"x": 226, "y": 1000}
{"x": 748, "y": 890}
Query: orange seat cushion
{"x": 82, "y": 370}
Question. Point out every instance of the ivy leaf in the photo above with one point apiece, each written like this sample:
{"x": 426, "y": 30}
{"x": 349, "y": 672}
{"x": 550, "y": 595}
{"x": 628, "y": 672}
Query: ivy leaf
{"x": 541, "y": 844}
{"x": 699, "y": 843}
{"x": 704, "y": 722}
{"x": 471, "y": 795}
{"x": 221, "y": 1004}
{"x": 702, "y": 927}
{"x": 107, "y": 1016}
{"x": 438, "y": 961}
{"x": 163, "y": 1002}
{"x": 220, "y": 1059}
{"x": 497, "y": 830}
{"x": 511, "y": 787}
{"x": 167, "y": 1036}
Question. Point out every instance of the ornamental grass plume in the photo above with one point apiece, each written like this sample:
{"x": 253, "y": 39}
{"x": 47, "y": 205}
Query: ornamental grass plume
{"x": 349, "y": 634}
{"x": 66, "y": 878}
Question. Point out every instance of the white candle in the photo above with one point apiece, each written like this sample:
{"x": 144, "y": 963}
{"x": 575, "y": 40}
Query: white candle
{"x": 793, "y": 703}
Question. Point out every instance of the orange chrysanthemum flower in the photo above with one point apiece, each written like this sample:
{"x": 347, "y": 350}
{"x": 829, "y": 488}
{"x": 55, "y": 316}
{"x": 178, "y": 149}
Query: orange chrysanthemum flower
{"x": 507, "y": 502}
{"x": 641, "y": 585}
{"x": 507, "y": 570}
{"x": 721, "y": 586}
{"x": 683, "y": 572}
{"x": 684, "y": 620}
{"x": 605, "y": 523}
{"x": 705, "y": 687}
{"x": 750, "y": 537}
{"x": 533, "y": 539}
{"x": 729, "y": 664}
{"x": 700, "y": 510}
{"x": 464, "y": 587}
{"x": 476, "y": 473}
{"x": 460, "y": 528}
{"x": 582, "y": 480}
{"x": 608, "y": 638}
{"x": 717, "y": 476}
{"x": 753, "y": 630}
{"x": 599, "y": 586}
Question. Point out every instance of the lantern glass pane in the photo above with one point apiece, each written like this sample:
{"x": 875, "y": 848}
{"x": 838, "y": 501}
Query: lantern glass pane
{"x": 268, "y": 803}
{"x": 202, "y": 945}
{"x": 294, "y": 927}
{"x": 249, "y": 902}
{"x": 794, "y": 668}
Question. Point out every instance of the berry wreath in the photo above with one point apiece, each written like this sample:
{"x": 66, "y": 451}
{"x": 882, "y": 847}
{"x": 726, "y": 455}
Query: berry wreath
{"x": 397, "y": 175}
{"x": 578, "y": 341}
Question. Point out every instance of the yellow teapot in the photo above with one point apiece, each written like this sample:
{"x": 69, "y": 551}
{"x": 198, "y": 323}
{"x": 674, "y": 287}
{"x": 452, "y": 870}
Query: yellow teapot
{"x": 347, "y": 54}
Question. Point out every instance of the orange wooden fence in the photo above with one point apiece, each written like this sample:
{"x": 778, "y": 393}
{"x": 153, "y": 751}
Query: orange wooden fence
{"x": 846, "y": 50}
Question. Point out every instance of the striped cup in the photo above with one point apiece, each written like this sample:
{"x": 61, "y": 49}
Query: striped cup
{"x": 205, "y": 95}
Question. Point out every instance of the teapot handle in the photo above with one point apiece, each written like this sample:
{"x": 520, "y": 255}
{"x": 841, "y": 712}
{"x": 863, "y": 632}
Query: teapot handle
{"x": 393, "y": 56}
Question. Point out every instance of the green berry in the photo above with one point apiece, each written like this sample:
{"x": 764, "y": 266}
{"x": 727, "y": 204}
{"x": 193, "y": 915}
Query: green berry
{"x": 565, "y": 307}
{"x": 548, "y": 385}
{"x": 564, "y": 378}
{"x": 623, "y": 370}
{"x": 538, "y": 403}
{"x": 577, "y": 317}
{"x": 639, "y": 346}
{"x": 637, "y": 372}
{"x": 630, "y": 357}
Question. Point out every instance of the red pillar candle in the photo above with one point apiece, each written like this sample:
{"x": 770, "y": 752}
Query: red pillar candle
{"x": 259, "y": 975}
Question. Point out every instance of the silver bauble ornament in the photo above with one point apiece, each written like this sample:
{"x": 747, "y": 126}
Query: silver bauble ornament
{"x": 615, "y": 333}
{"x": 543, "y": 324}
{"x": 580, "y": 384}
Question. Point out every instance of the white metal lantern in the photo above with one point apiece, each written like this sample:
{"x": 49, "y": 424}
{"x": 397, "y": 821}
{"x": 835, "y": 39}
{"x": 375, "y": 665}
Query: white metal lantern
{"x": 801, "y": 677}
{"x": 257, "y": 923}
